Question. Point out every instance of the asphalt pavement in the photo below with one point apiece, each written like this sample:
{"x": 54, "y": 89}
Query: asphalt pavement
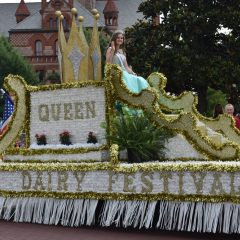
{"x": 26, "y": 231}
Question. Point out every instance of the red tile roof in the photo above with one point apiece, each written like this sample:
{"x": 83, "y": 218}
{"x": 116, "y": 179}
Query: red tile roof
{"x": 22, "y": 9}
{"x": 110, "y": 6}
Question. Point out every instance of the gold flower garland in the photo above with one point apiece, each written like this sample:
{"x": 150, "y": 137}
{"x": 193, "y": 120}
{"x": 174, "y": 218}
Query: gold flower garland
{"x": 19, "y": 114}
{"x": 66, "y": 86}
{"x": 31, "y": 152}
{"x": 123, "y": 168}
{"x": 120, "y": 196}
{"x": 53, "y": 161}
{"x": 114, "y": 152}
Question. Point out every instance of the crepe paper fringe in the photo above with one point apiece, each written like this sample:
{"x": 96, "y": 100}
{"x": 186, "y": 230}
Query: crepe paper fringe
{"x": 165, "y": 215}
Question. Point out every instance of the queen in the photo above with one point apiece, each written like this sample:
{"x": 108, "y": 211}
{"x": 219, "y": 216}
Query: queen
{"x": 115, "y": 54}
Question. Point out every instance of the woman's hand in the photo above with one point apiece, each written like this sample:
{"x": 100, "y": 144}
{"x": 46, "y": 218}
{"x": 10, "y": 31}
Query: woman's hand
{"x": 131, "y": 71}
{"x": 110, "y": 53}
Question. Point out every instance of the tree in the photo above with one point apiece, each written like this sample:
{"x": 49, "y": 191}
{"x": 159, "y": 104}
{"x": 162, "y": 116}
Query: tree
{"x": 215, "y": 97}
{"x": 11, "y": 62}
{"x": 189, "y": 45}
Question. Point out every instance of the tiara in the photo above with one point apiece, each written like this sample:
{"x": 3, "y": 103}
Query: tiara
{"x": 119, "y": 31}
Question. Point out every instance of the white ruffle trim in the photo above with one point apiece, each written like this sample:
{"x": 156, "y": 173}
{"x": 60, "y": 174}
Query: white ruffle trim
{"x": 60, "y": 146}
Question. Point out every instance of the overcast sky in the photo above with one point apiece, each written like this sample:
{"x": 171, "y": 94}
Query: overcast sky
{"x": 17, "y": 1}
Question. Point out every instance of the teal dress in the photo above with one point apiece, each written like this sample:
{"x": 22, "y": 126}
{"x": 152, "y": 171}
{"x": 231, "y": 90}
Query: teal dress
{"x": 134, "y": 83}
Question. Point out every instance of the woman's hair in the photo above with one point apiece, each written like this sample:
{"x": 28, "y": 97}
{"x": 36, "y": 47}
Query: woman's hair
{"x": 114, "y": 38}
{"x": 217, "y": 110}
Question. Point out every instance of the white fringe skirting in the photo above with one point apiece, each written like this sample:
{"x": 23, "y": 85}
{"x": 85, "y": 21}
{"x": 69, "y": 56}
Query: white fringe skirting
{"x": 166, "y": 215}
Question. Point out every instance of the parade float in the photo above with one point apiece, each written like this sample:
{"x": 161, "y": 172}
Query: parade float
{"x": 59, "y": 177}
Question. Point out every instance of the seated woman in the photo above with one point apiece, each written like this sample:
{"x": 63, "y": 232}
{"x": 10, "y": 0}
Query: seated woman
{"x": 116, "y": 55}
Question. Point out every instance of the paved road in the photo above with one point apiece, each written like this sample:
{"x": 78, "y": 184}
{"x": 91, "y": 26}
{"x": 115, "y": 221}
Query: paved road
{"x": 25, "y": 231}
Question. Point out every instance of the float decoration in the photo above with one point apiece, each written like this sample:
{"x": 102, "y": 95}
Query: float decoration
{"x": 87, "y": 183}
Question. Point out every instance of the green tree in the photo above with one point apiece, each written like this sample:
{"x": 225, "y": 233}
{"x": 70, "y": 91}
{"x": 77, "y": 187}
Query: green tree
{"x": 11, "y": 62}
{"x": 215, "y": 97}
{"x": 188, "y": 45}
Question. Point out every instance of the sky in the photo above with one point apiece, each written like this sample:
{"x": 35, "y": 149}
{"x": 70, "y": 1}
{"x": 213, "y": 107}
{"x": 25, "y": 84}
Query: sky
{"x": 17, "y": 1}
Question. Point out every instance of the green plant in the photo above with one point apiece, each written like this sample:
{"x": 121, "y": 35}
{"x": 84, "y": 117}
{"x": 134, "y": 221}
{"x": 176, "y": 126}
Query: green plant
{"x": 139, "y": 136}
{"x": 64, "y": 138}
{"x": 53, "y": 77}
{"x": 41, "y": 139}
{"x": 92, "y": 138}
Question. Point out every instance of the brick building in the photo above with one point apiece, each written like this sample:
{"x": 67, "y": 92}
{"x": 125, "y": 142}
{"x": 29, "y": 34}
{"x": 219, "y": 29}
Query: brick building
{"x": 32, "y": 27}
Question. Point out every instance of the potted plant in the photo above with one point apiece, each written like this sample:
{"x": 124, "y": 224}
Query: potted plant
{"x": 92, "y": 138}
{"x": 143, "y": 141}
{"x": 41, "y": 139}
{"x": 64, "y": 138}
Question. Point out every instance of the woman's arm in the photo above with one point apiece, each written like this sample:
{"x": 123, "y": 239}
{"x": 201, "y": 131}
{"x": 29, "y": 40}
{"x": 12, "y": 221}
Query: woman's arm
{"x": 109, "y": 55}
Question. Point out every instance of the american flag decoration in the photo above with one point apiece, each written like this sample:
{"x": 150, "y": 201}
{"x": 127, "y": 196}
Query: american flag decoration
{"x": 8, "y": 110}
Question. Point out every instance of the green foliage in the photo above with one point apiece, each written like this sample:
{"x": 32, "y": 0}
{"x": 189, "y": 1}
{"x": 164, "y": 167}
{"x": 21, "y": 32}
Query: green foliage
{"x": 187, "y": 45}
{"x": 11, "y": 62}
{"x": 139, "y": 135}
{"x": 54, "y": 77}
{"x": 215, "y": 97}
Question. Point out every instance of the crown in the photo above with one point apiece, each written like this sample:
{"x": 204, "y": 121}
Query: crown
{"x": 118, "y": 31}
{"x": 79, "y": 61}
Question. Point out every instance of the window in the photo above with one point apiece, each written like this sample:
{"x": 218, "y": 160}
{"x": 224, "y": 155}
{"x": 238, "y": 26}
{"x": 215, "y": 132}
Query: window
{"x": 57, "y": 3}
{"x": 65, "y": 23}
{"x": 50, "y": 23}
{"x": 56, "y": 47}
{"x": 55, "y": 22}
{"x": 38, "y": 48}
